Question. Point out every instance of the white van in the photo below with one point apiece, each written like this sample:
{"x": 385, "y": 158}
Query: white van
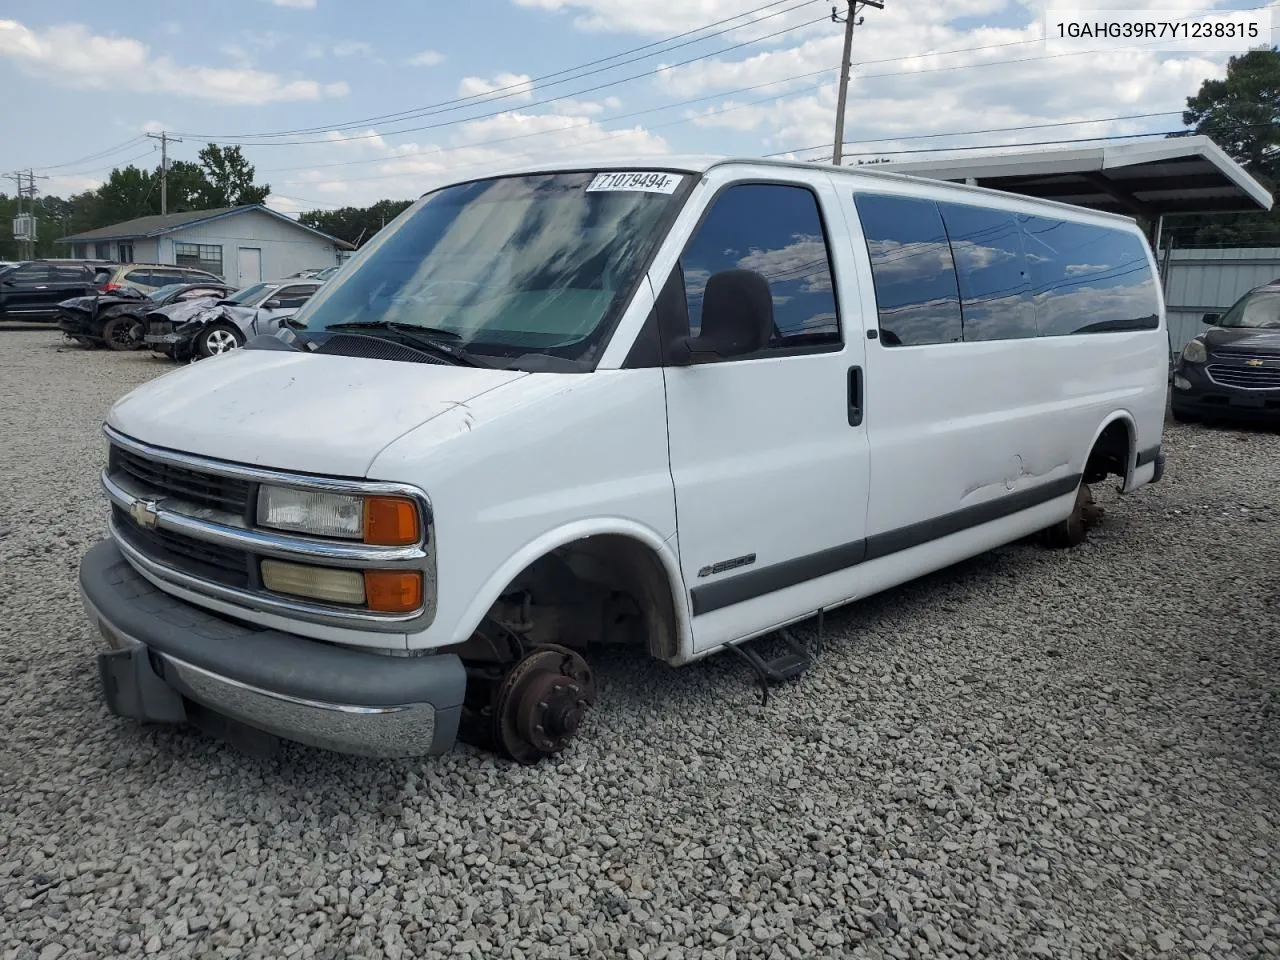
{"x": 678, "y": 404}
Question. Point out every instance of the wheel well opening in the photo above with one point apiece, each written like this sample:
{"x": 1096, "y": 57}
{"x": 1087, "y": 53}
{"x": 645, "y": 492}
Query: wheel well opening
{"x": 607, "y": 589}
{"x": 1110, "y": 454}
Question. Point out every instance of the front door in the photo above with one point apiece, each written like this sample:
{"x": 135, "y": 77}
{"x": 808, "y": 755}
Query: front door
{"x": 249, "y": 265}
{"x": 27, "y": 292}
{"x": 769, "y": 452}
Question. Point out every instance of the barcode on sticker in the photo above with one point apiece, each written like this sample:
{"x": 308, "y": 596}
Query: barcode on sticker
{"x": 645, "y": 181}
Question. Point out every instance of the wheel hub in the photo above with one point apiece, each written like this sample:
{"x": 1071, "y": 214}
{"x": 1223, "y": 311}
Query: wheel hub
{"x": 542, "y": 702}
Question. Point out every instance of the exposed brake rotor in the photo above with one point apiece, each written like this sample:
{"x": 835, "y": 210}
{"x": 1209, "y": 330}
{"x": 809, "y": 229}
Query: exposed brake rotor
{"x": 542, "y": 702}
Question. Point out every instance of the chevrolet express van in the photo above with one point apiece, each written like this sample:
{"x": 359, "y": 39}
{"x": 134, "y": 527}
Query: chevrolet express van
{"x": 676, "y": 404}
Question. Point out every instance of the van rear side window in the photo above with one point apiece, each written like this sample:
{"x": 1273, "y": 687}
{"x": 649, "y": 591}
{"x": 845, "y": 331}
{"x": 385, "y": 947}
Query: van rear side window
{"x": 913, "y": 271}
{"x": 1088, "y": 279}
{"x": 995, "y": 292}
{"x": 945, "y": 272}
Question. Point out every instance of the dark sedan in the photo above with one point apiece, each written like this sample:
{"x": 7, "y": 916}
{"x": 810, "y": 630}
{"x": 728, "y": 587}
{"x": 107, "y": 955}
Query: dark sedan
{"x": 1232, "y": 370}
{"x": 114, "y": 318}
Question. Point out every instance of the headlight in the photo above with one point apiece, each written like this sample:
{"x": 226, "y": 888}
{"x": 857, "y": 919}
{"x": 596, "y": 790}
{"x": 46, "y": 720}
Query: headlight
{"x": 384, "y": 521}
{"x": 1194, "y": 352}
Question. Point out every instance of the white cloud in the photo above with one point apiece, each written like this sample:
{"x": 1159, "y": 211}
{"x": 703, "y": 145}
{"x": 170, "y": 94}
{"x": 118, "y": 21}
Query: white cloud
{"x": 662, "y": 18}
{"x": 66, "y": 186}
{"x": 352, "y": 48}
{"x": 427, "y": 58}
{"x": 350, "y": 139}
{"x": 154, "y": 126}
{"x": 297, "y": 4}
{"x": 517, "y": 86}
{"x": 408, "y": 169}
{"x": 70, "y": 55}
{"x": 904, "y": 85}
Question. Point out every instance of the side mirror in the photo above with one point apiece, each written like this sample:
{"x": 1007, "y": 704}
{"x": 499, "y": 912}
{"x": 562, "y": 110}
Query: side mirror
{"x": 737, "y": 319}
{"x": 271, "y": 305}
{"x": 1211, "y": 318}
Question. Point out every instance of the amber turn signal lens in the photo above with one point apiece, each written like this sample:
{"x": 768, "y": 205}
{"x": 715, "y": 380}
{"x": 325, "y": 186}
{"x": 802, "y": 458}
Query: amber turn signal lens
{"x": 392, "y": 591}
{"x": 390, "y": 521}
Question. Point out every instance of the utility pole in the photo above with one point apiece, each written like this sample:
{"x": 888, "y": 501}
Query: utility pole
{"x": 851, "y": 19}
{"x": 26, "y": 181}
{"x": 165, "y": 140}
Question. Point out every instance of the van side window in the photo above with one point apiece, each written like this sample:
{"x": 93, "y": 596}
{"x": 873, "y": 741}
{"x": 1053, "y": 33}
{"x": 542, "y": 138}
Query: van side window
{"x": 995, "y": 292}
{"x": 915, "y": 279}
{"x": 1088, "y": 279}
{"x": 777, "y": 231}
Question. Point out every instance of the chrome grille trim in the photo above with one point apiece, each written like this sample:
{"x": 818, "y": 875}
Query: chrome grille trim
{"x": 261, "y": 541}
{"x": 201, "y": 523}
{"x": 1244, "y": 378}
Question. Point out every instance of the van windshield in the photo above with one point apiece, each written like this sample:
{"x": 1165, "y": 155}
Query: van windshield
{"x": 1256, "y": 310}
{"x": 510, "y": 266}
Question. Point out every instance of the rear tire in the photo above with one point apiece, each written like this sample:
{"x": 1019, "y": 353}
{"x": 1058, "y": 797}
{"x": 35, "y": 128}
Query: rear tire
{"x": 1072, "y": 531}
{"x": 218, "y": 338}
{"x": 117, "y": 333}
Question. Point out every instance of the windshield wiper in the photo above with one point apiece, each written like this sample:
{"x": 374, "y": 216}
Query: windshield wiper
{"x": 426, "y": 339}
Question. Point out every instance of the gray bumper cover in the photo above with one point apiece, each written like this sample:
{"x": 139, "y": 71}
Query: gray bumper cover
{"x": 336, "y": 698}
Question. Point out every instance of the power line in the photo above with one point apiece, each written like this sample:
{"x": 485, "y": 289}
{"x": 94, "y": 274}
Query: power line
{"x": 870, "y": 76}
{"x": 114, "y": 165}
{"x": 965, "y": 133}
{"x": 95, "y": 156}
{"x": 518, "y": 89}
{"x": 705, "y": 98}
{"x": 498, "y": 113}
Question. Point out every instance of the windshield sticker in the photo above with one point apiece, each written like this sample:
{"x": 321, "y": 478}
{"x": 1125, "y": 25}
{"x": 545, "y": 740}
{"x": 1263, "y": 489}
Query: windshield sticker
{"x": 644, "y": 181}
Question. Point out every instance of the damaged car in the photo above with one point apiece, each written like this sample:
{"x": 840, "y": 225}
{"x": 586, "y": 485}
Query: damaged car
{"x": 226, "y": 324}
{"x": 113, "y": 319}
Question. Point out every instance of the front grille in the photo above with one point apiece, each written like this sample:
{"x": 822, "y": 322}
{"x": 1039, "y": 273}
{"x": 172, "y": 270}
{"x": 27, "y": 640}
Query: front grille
{"x": 1248, "y": 378}
{"x": 159, "y": 326}
{"x": 194, "y": 486}
{"x": 199, "y": 558}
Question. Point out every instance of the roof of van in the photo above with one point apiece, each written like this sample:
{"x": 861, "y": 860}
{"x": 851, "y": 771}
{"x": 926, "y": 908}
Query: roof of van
{"x": 702, "y": 163}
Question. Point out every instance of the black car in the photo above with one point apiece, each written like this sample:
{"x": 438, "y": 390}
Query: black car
{"x": 116, "y": 318}
{"x": 1232, "y": 370}
{"x": 33, "y": 290}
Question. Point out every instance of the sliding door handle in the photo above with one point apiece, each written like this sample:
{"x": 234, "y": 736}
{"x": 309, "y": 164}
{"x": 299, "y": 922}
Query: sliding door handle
{"x": 855, "y": 396}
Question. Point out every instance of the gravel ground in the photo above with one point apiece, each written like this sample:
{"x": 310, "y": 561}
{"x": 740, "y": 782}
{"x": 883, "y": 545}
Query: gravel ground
{"x": 1032, "y": 754}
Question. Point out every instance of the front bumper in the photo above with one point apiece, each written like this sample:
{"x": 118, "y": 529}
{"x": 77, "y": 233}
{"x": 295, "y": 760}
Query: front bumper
{"x": 78, "y": 325}
{"x": 1194, "y": 393}
{"x": 166, "y": 339}
{"x": 164, "y": 651}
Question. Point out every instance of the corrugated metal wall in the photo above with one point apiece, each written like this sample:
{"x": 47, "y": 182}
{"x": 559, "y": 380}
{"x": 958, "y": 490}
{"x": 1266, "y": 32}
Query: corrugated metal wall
{"x": 1209, "y": 281}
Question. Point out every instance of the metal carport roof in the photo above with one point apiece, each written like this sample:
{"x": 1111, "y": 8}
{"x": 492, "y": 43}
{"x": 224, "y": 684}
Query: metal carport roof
{"x": 1176, "y": 175}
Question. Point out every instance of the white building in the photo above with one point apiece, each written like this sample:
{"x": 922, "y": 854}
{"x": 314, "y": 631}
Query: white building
{"x": 243, "y": 245}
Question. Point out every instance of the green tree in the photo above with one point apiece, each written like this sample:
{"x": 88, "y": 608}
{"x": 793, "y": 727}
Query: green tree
{"x": 1241, "y": 114}
{"x": 128, "y": 193}
{"x": 229, "y": 178}
{"x": 355, "y": 224}
{"x": 189, "y": 188}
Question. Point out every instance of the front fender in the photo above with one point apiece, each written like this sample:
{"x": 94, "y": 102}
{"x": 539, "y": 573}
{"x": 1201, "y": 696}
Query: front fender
{"x": 559, "y": 537}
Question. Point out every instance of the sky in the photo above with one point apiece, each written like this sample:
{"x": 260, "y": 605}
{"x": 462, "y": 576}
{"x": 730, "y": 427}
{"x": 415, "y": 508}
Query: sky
{"x": 343, "y": 103}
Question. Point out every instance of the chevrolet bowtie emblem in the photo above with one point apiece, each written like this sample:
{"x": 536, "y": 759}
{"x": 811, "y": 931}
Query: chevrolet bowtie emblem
{"x": 1253, "y": 363}
{"x": 144, "y": 513}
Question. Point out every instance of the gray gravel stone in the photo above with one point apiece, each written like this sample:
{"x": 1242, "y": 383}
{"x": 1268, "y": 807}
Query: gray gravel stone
{"x": 1069, "y": 754}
